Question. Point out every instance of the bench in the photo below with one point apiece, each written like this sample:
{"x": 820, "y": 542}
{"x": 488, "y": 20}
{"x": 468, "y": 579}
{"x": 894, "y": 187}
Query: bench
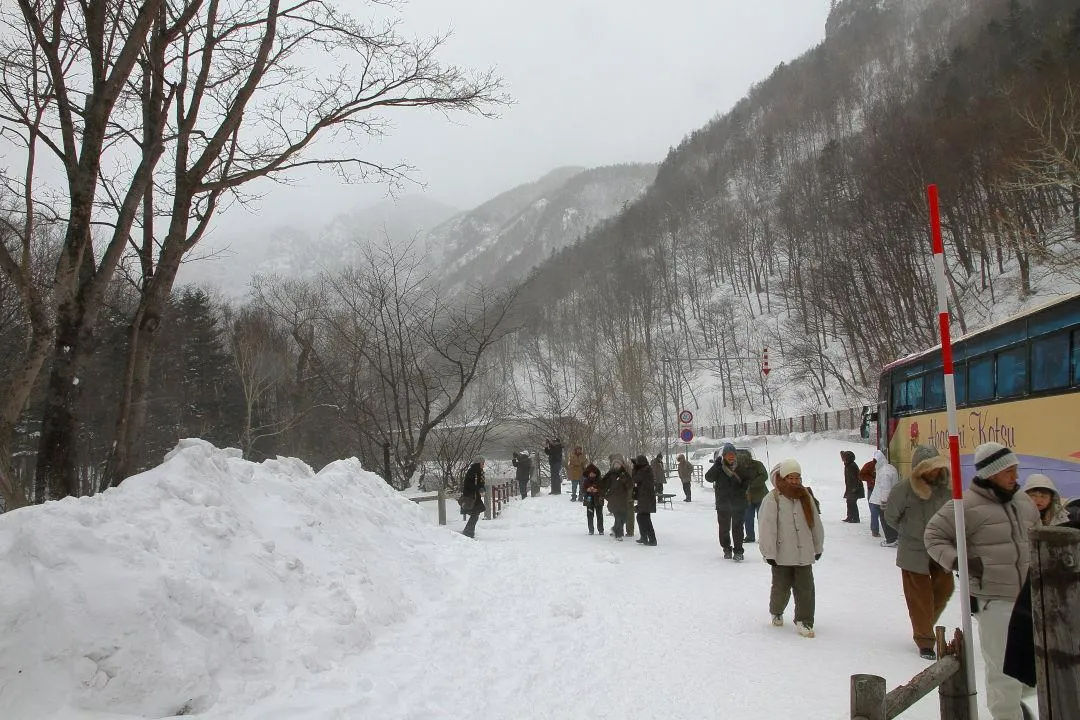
{"x": 665, "y": 499}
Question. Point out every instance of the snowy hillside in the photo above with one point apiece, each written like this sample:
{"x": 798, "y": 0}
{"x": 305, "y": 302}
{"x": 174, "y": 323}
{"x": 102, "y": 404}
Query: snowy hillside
{"x": 220, "y": 589}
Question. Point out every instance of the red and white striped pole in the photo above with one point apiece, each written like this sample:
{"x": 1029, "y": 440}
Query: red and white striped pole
{"x": 954, "y": 447}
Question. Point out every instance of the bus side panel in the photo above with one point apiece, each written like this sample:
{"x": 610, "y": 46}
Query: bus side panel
{"x": 1042, "y": 431}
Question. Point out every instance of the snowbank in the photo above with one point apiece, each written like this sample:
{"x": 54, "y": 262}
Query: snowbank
{"x": 206, "y": 577}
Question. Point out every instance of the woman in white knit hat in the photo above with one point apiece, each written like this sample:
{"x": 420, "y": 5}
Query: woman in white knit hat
{"x": 998, "y": 519}
{"x": 791, "y": 540}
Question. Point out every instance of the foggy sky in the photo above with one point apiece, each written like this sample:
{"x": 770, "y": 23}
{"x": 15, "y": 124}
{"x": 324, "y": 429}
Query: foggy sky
{"x": 594, "y": 82}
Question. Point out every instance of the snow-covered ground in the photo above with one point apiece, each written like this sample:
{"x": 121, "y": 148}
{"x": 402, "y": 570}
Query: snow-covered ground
{"x": 222, "y": 589}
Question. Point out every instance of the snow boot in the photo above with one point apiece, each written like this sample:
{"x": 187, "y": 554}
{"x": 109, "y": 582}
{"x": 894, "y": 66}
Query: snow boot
{"x": 727, "y": 554}
{"x": 807, "y": 631}
{"x": 778, "y": 620}
{"x": 928, "y": 654}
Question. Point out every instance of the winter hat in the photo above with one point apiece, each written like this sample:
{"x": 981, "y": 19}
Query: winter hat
{"x": 790, "y": 466}
{"x": 991, "y": 458}
{"x": 477, "y": 459}
{"x": 728, "y": 448}
{"x": 928, "y": 456}
{"x": 1038, "y": 481}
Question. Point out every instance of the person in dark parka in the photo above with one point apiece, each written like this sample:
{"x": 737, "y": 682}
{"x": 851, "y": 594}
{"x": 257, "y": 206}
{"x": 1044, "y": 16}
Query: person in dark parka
{"x": 730, "y": 485}
{"x": 659, "y": 474}
{"x": 645, "y": 493}
{"x": 1019, "y": 660}
{"x": 523, "y": 462}
{"x": 554, "y": 451}
{"x": 853, "y": 486}
{"x": 473, "y": 488}
{"x": 755, "y": 494}
{"x": 592, "y": 497}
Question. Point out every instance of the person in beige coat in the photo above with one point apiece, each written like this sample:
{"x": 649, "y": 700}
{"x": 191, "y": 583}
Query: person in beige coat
{"x": 1044, "y": 493}
{"x": 927, "y": 585}
{"x": 575, "y": 468}
{"x": 998, "y": 519}
{"x": 791, "y": 540}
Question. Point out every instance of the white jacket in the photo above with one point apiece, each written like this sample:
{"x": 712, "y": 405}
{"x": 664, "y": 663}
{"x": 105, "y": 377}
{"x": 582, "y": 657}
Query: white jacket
{"x": 885, "y": 480}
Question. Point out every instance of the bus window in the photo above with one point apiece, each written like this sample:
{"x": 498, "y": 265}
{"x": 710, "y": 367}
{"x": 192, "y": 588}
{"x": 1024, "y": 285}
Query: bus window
{"x": 1057, "y": 319}
{"x": 960, "y": 382}
{"x": 899, "y": 397}
{"x": 935, "y": 391}
{"x": 1050, "y": 362}
{"x": 981, "y": 379}
{"x": 915, "y": 393}
{"x": 1012, "y": 372}
{"x": 1076, "y": 357}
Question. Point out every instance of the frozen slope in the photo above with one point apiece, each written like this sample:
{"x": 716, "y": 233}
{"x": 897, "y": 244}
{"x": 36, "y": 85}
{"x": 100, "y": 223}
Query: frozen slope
{"x": 392, "y": 618}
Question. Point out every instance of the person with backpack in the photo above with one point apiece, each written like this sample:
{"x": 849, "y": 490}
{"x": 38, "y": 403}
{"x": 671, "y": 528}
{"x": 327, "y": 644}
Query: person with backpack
{"x": 592, "y": 497}
{"x": 731, "y": 481}
{"x": 791, "y": 539}
{"x": 759, "y": 488}
{"x": 472, "y": 495}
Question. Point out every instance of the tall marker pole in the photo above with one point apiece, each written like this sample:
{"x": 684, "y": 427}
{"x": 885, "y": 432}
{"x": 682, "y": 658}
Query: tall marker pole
{"x": 954, "y": 446}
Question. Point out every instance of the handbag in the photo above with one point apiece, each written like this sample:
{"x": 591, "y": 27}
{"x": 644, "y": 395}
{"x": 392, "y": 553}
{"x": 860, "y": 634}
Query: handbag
{"x": 467, "y": 502}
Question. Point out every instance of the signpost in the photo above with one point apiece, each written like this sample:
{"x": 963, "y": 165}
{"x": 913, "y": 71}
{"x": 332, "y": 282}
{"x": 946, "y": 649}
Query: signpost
{"x": 686, "y": 417}
{"x": 686, "y": 435}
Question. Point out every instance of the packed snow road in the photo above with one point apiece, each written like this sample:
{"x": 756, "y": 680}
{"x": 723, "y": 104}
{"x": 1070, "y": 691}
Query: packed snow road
{"x": 222, "y": 589}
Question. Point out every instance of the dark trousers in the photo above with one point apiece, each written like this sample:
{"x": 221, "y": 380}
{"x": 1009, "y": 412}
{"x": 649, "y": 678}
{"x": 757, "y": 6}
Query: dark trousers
{"x": 731, "y": 528}
{"x": 797, "y": 578}
{"x": 599, "y": 513}
{"x": 556, "y": 480}
{"x": 748, "y": 521}
{"x": 470, "y": 526}
{"x": 645, "y": 528}
{"x": 686, "y": 489}
{"x": 523, "y": 486}
{"x": 853, "y": 510}
{"x": 620, "y": 523}
{"x": 574, "y": 489}
{"x": 890, "y": 532}
{"x": 875, "y": 519}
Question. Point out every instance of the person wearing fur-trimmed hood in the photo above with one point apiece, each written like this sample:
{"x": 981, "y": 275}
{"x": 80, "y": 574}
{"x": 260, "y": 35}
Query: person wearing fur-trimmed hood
{"x": 1044, "y": 493}
{"x": 791, "y": 539}
{"x": 912, "y": 503}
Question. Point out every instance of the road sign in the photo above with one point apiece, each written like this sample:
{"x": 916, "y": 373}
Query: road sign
{"x": 686, "y": 417}
{"x": 686, "y": 435}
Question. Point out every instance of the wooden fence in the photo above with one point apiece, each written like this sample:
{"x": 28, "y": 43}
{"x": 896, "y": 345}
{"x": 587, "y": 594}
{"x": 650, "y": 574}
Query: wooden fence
{"x": 496, "y": 495}
{"x": 845, "y": 419}
{"x": 1055, "y": 604}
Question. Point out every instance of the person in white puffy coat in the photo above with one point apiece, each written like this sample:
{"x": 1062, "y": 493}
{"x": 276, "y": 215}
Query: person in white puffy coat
{"x": 791, "y": 539}
{"x": 883, "y": 486}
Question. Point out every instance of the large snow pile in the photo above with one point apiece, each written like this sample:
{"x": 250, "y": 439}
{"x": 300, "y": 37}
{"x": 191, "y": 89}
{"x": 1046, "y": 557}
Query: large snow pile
{"x": 206, "y": 577}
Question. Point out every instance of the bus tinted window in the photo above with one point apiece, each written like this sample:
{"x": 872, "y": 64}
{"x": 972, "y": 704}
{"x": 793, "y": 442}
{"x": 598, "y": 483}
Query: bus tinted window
{"x": 960, "y": 382}
{"x": 1012, "y": 372}
{"x": 935, "y": 391}
{"x": 980, "y": 379}
{"x": 899, "y": 397}
{"x": 1050, "y": 362}
{"x": 915, "y": 393}
{"x": 995, "y": 339}
{"x": 1076, "y": 357}
{"x": 1056, "y": 319}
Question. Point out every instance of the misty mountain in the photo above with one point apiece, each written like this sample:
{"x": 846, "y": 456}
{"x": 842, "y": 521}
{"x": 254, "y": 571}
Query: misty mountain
{"x": 303, "y": 252}
{"x": 506, "y": 237}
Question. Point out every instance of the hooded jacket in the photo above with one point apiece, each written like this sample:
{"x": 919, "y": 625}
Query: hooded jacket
{"x": 575, "y": 465}
{"x": 644, "y": 487}
{"x": 619, "y": 487}
{"x": 911, "y": 506}
{"x": 1055, "y": 513}
{"x": 686, "y": 470}
{"x": 884, "y": 481}
{"x": 997, "y": 534}
{"x": 853, "y": 487}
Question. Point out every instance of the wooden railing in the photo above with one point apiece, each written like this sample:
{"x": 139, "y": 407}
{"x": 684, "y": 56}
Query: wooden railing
{"x": 496, "y": 495}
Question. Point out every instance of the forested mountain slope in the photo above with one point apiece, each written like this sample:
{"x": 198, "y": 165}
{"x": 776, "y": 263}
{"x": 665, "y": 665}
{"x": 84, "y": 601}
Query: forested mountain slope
{"x": 797, "y": 220}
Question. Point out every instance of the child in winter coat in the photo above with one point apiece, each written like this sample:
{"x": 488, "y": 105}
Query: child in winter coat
{"x": 592, "y": 497}
{"x": 791, "y": 539}
{"x": 1044, "y": 493}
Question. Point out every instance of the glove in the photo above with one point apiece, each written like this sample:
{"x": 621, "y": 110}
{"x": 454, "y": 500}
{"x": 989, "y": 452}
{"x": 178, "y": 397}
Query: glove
{"x": 771, "y": 561}
{"x": 818, "y": 556}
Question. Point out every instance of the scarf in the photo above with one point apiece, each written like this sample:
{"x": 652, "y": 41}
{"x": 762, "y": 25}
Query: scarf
{"x": 1003, "y": 496}
{"x": 800, "y": 493}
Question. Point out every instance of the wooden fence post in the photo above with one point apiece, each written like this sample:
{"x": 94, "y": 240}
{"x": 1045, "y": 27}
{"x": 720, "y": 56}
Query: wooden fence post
{"x": 867, "y": 697}
{"x": 442, "y": 506}
{"x": 953, "y": 693}
{"x": 1055, "y": 607}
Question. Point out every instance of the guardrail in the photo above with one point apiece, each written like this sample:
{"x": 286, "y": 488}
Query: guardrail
{"x": 496, "y": 495}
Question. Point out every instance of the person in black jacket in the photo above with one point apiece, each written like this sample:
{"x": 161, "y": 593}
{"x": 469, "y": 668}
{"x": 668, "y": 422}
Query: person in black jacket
{"x": 523, "y": 462}
{"x": 592, "y": 497}
{"x": 730, "y": 484}
{"x": 472, "y": 495}
{"x": 853, "y": 487}
{"x": 645, "y": 493}
{"x": 554, "y": 449}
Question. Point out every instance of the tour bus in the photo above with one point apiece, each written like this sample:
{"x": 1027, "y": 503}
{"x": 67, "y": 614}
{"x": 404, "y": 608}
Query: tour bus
{"x": 1017, "y": 383}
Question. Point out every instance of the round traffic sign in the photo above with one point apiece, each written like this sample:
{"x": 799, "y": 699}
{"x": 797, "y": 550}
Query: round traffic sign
{"x": 686, "y": 435}
{"x": 686, "y": 417}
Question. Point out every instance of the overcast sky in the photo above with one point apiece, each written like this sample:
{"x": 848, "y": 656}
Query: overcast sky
{"x": 594, "y": 82}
